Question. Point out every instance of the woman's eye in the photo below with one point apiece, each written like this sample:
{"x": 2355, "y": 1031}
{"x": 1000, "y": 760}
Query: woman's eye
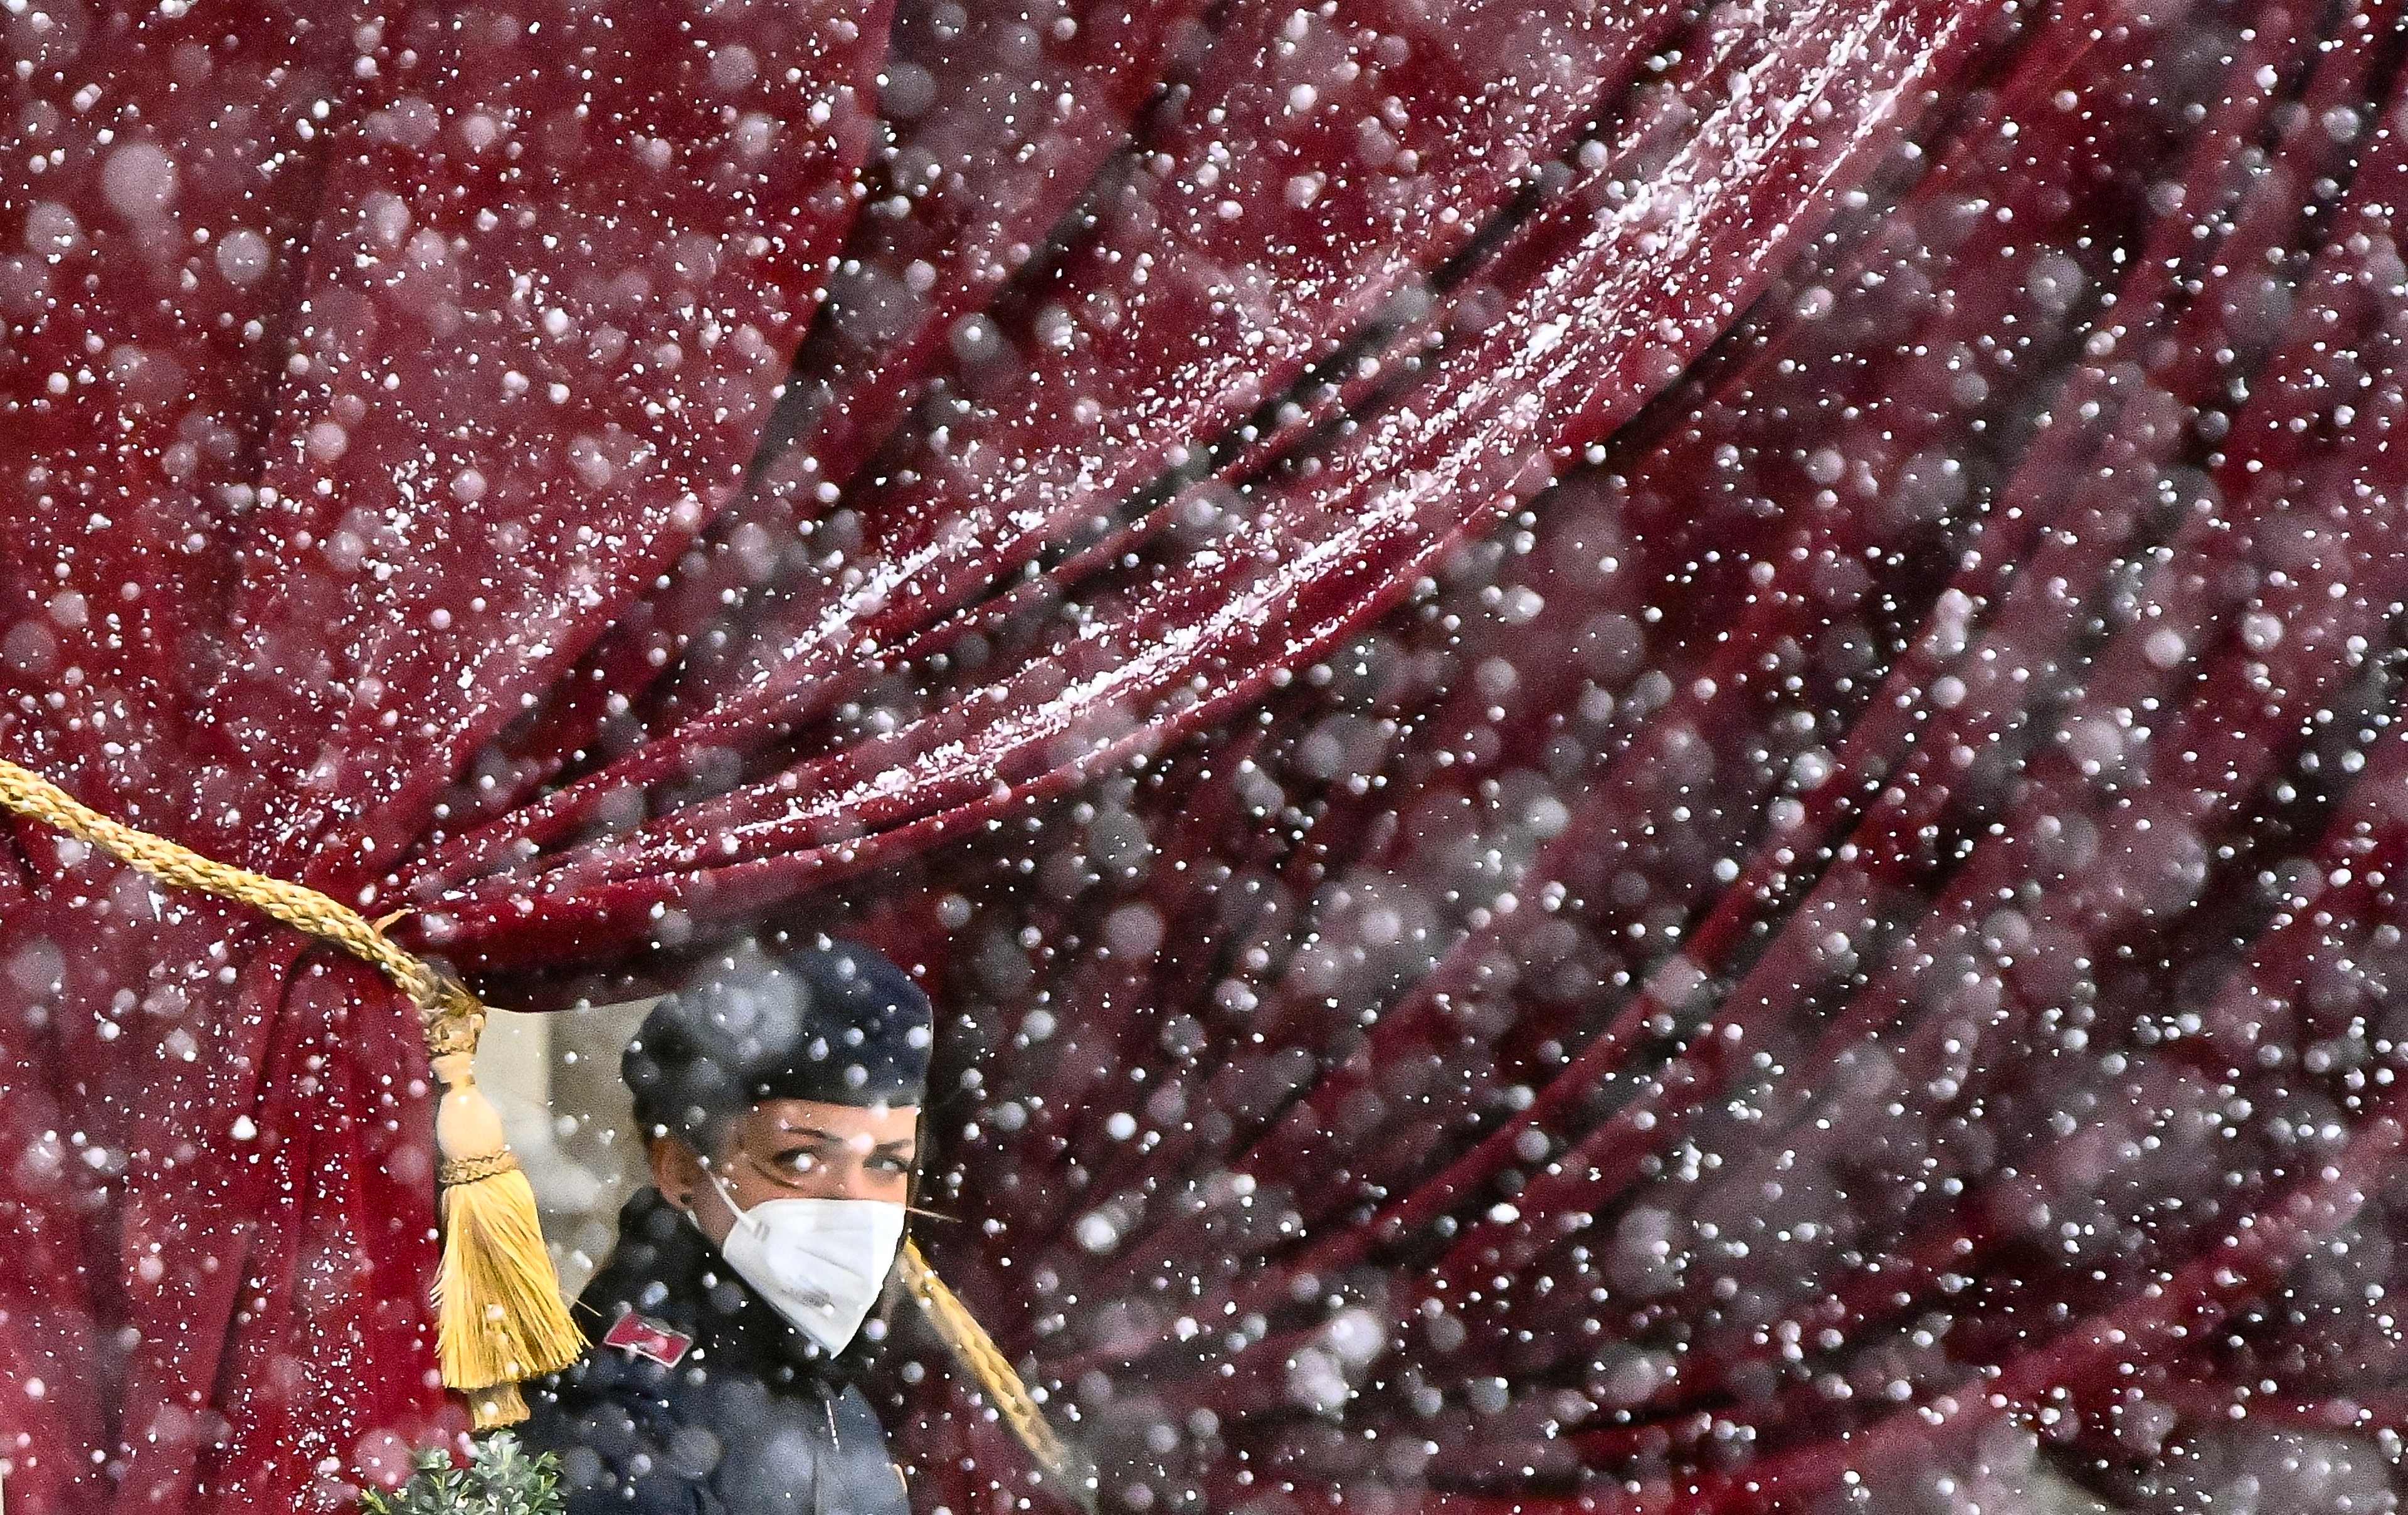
{"x": 892, "y": 1164}
{"x": 800, "y": 1162}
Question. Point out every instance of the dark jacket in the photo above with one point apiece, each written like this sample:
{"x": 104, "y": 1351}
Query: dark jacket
{"x": 696, "y": 1398}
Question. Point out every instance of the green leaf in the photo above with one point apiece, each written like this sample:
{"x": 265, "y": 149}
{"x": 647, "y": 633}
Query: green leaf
{"x": 501, "y": 1478}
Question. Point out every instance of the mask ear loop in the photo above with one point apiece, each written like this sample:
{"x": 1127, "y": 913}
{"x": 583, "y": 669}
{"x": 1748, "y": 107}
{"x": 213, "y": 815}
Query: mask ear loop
{"x": 921, "y": 1156}
{"x": 726, "y": 1197}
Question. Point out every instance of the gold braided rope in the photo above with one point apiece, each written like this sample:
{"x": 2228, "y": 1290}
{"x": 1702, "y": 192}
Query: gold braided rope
{"x": 449, "y": 1009}
{"x": 996, "y": 1377}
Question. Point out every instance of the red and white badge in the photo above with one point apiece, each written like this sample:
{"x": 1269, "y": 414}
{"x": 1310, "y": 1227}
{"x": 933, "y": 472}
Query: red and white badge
{"x": 639, "y": 1336}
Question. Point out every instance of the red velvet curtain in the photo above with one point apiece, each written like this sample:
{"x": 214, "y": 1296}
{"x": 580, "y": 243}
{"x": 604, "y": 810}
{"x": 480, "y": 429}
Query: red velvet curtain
{"x": 1648, "y": 754}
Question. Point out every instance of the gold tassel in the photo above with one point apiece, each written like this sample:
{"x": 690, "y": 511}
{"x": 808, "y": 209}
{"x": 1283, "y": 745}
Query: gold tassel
{"x": 498, "y": 1316}
{"x": 997, "y": 1378}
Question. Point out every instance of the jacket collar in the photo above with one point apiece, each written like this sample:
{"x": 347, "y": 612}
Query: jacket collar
{"x": 666, "y": 1271}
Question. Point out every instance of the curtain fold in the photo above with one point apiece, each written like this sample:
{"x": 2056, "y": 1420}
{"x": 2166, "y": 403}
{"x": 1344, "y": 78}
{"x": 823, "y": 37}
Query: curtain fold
{"x": 1647, "y": 755}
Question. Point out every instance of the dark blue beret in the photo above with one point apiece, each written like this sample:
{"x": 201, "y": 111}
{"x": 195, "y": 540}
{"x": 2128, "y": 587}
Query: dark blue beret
{"x": 836, "y": 1022}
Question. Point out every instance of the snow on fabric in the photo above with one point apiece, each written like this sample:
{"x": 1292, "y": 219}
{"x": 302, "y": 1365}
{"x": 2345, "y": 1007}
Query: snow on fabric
{"x": 1648, "y": 756}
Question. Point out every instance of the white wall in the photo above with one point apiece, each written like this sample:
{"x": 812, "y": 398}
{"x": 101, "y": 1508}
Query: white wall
{"x": 555, "y": 1079}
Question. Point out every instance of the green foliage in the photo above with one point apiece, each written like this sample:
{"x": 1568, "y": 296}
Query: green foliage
{"x": 500, "y": 1479}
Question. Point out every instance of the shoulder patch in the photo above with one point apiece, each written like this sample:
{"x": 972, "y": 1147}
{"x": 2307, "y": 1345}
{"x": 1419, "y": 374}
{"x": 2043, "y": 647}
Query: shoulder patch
{"x": 640, "y": 1336}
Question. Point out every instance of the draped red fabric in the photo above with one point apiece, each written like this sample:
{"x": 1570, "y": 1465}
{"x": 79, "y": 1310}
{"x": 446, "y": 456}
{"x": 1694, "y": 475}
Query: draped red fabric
{"x": 1647, "y": 755}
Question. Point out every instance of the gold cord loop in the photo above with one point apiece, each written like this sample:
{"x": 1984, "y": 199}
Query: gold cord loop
{"x": 996, "y": 1377}
{"x": 437, "y": 994}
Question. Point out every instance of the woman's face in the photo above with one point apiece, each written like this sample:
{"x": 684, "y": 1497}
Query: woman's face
{"x": 793, "y": 1149}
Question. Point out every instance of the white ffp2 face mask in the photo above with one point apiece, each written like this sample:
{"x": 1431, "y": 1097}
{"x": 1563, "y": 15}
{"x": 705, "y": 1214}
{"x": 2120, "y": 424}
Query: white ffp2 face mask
{"x": 820, "y": 1262}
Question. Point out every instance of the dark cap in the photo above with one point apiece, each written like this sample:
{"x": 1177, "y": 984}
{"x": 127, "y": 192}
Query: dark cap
{"x": 836, "y": 1022}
